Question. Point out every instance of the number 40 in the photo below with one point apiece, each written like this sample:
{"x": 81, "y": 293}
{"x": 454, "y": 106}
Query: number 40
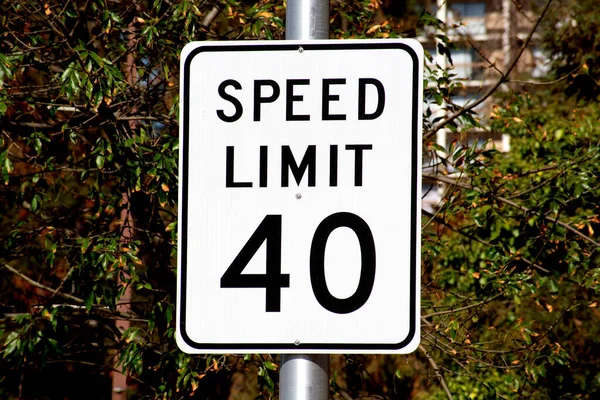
{"x": 273, "y": 280}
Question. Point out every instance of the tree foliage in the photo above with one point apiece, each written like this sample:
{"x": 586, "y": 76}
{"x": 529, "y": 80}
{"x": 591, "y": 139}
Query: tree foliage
{"x": 571, "y": 39}
{"x": 88, "y": 164}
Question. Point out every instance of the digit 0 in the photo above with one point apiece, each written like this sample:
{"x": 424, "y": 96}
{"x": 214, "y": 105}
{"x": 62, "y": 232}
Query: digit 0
{"x": 317, "y": 263}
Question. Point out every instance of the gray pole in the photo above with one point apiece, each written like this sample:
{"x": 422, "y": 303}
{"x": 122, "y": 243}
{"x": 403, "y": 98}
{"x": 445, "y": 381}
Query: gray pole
{"x": 305, "y": 376}
{"x": 307, "y": 19}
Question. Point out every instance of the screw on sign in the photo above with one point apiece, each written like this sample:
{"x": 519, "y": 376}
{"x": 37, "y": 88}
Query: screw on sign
{"x": 299, "y": 204}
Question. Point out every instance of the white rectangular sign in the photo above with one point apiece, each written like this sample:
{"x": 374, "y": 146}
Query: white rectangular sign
{"x": 299, "y": 197}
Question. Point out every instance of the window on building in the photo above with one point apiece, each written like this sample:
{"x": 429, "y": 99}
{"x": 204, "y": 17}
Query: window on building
{"x": 463, "y": 63}
{"x": 467, "y": 63}
{"x": 471, "y": 15}
{"x": 469, "y": 10}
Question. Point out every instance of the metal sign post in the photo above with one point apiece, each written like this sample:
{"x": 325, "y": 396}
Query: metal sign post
{"x": 307, "y": 20}
{"x": 305, "y": 376}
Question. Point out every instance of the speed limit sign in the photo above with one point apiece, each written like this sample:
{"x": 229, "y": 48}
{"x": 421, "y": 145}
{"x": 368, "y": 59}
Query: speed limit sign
{"x": 299, "y": 197}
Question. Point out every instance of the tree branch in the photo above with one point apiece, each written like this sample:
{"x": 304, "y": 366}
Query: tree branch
{"x": 62, "y": 282}
{"x": 455, "y": 310}
{"x": 511, "y": 203}
{"x": 471, "y": 237}
{"x": 437, "y": 371}
{"x": 210, "y": 17}
{"x": 104, "y": 366}
{"x": 548, "y": 82}
{"x": 40, "y": 286}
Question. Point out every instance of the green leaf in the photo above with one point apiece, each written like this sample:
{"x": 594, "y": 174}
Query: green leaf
{"x": 38, "y": 145}
{"x": 89, "y": 301}
{"x": 115, "y": 18}
{"x": 5, "y": 68}
{"x": 172, "y": 226}
{"x": 515, "y": 384}
{"x": 54, "y": 345}
{"x": 534, "y": 374}
{"x": 97, "y": 59}
{"x": 70, "y": 13}
{"x": 12, "y": 342}
{"x": 542, "y": 370}
{"x": 169, "y": 315}
{"x": 35, "y": 202}
{"x": 65, "y": 75}
{"x": 49, "y": 244}
{"x": 553, "y": 285}
{"x": 270, "y": 365}
{"x": 100, "y": 161}
{"x": 97, "y": 100}
{"x": 85, "y": 244}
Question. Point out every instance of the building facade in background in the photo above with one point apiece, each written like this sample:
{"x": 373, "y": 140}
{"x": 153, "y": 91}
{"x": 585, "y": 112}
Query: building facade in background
{"x": 485, "y": 36}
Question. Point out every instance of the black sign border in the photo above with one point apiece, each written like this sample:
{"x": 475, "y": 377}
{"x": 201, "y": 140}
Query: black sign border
{"x": 415, "y": 202}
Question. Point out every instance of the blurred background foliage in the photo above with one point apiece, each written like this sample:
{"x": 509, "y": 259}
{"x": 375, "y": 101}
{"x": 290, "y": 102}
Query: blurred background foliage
{"x": 88, "y": 164}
